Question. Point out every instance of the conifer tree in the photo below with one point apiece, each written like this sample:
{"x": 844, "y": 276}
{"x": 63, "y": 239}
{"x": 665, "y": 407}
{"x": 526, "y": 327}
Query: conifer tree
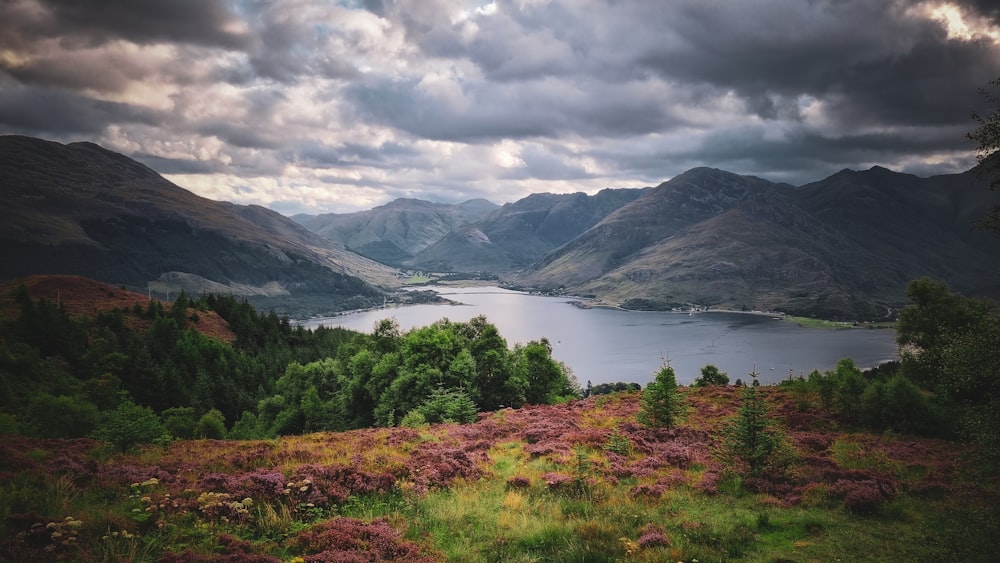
{"x": 751, "y": 437}
{"x": 660, "y": 404}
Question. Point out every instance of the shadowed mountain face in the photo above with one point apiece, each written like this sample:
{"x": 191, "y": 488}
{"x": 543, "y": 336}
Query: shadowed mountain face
{"x": 844, "y": 247}
{"x": 395, "y": 232}
{"x": 80, "y": 209}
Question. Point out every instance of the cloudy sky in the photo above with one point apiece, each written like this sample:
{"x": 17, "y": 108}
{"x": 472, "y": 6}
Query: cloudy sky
{"x": 334, "y": 106}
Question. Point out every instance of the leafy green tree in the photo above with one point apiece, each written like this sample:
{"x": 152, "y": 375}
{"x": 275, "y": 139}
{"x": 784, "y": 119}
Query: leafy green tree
{"x": 179, "y": 422}
{"x": 130, "y": 425}
{"x": 987, "y": 138}
{"x": 752, "y": 438}
{"x": 545, "y": 378}
{"x": 246, "y": 428}
{"x": 211, "y": 425}
{"x": 710, "y": 375}
{"x": 660, "y": 406}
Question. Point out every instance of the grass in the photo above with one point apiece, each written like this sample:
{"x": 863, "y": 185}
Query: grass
{"x": 809, "y": 322}
{"x": 534, "y": 484}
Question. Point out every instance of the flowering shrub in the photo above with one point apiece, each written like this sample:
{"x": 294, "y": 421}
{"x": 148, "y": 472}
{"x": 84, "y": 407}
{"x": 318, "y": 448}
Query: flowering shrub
{"x": 438, "y": 466}
{"x": 653, "y": 536}
{"x": 347, "y": 539}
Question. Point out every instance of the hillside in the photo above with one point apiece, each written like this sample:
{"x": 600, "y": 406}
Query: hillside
{"x": 844, "y": 247}
{"x": 572, "y": 482}
{"x": 84, "y": 297}
{"x": 83, "y": 210}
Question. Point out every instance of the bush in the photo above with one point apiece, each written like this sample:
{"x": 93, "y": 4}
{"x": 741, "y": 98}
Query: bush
{"x": 179, "y": 422}
{"x": 710, "y": 375}
{"x": 130, "y": 425}
{"x": 61, "y": 417}
{"x": 211, "y": 425}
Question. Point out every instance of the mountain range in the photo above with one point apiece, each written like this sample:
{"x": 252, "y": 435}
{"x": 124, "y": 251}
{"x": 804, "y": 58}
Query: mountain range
{"x": 843, "y": 247}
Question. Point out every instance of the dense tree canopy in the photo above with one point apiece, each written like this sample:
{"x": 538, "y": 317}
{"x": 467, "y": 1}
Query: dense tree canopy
{"x": 63, "y": 376}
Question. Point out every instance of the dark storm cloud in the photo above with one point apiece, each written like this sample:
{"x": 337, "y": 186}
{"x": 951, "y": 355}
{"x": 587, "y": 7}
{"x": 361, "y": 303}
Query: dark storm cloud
{"x": 873, "y": 59}
{"x": 50, "y": 111}
{"x": 202, "y": 22}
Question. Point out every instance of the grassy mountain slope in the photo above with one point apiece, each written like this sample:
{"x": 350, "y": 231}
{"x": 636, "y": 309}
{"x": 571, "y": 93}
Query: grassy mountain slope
{"x": 81, "y": 209}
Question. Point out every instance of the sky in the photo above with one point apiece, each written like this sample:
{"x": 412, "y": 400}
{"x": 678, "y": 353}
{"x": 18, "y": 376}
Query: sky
{"x": 319, "y": 106}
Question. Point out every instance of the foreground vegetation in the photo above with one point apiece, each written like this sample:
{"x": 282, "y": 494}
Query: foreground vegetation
{"x": 579, "y": 481}
{"x": 349, "y": 447}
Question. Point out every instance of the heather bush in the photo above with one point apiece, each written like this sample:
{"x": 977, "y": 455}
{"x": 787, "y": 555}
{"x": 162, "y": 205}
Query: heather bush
{"x": 653, "y": 536}
{"x": 347, "y": 539}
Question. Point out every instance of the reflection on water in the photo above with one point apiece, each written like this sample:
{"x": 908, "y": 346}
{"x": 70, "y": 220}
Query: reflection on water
{"x": 606, "y": 345}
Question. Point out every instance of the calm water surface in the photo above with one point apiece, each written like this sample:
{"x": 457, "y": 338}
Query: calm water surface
{"x": 606, "y": 345}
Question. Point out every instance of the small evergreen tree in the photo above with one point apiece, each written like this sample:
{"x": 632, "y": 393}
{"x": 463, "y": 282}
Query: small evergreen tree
{"x": 751, "y": 438}
{"x": 660, "y": 404}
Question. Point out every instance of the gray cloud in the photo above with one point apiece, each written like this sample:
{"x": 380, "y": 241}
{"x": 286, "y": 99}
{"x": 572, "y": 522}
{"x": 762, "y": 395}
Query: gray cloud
{"x": 341, "y": 105}
{"x": 55, "y": 112}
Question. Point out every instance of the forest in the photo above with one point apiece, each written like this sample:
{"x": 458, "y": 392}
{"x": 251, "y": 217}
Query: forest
{"x": 66, "y": 377}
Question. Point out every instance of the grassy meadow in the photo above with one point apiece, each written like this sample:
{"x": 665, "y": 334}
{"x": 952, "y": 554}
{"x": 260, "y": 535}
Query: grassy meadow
{"x": 579, "y": 481}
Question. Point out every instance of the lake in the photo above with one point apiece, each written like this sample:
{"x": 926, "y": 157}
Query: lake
{"x": 608, "y": 345}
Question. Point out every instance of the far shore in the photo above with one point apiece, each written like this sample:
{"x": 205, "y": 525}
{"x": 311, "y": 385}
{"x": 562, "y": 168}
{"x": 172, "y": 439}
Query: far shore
{"x": 593, "y": 303}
